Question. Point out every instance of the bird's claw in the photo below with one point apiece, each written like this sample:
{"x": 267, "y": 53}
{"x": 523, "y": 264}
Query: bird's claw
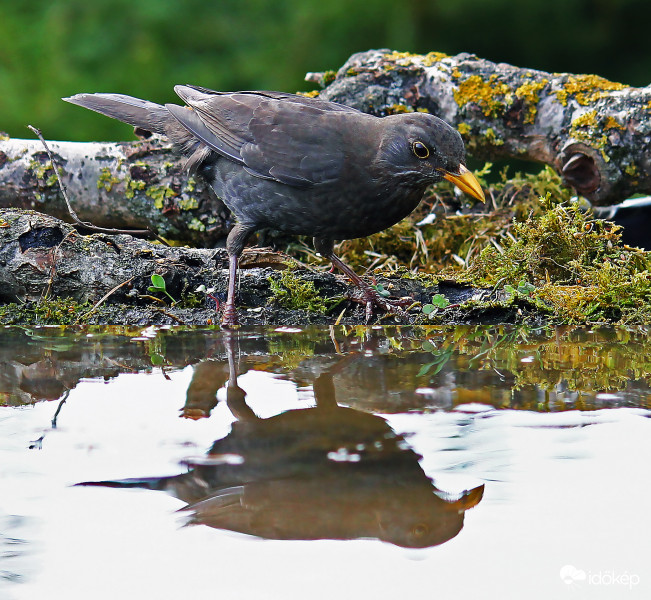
{"x": 371, "y": 300}
{"x": 229, "y": 318}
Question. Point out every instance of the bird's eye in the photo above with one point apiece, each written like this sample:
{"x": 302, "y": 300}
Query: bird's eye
{"x": 420, "y": 149}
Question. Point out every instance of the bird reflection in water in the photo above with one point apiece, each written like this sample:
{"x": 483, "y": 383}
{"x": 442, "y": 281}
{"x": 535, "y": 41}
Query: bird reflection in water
{"x": 326, "y": 472}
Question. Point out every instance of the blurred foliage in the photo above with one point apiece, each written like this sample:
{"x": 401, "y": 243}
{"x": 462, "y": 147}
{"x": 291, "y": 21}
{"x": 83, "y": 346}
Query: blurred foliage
{"x": 54, "y": 49}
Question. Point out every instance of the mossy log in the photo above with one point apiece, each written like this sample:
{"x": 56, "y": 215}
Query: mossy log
{"x": 107, "y": 279}
{"x": 131, "y": 185}
{"x": 594, "y": 132}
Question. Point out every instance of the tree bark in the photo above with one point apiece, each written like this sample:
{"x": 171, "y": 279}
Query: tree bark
{"x": 594, "y": 132}
{"x": 42, "y": 257}
{"x": 124, "y": 185}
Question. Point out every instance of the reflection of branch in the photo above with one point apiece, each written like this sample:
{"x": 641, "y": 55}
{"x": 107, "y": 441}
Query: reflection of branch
{"x": 58, "y": 410}
{"x": 37, "y": 444}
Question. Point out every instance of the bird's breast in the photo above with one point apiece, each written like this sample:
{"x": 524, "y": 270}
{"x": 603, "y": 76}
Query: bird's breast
{"x": 350, "y": 207}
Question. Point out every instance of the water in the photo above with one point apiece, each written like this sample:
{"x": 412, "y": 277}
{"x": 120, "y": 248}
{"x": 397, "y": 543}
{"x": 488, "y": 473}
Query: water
{"x": 349, "y": 463}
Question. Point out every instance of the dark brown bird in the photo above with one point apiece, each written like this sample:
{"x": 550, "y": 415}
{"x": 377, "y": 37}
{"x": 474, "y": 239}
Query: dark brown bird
{"x": 301, "y": 165}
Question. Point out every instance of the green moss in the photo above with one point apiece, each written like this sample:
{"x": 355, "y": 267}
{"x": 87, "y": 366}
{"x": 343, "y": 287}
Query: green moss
{"x": 106, "y": 179}
{"x": 328, "y": 77}
{"x": 289, "y": 291}
{"x": 586, "y": 89}
{"x": 59, "y": 311}
{"x": 491, "y": 95}
{"x": 578, "y": 266}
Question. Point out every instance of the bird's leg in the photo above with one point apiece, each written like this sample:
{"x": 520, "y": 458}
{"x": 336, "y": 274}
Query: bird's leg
{"x": 234, "y": 246}
{"x": 370, "y": 296}
{"x": 229, "y": 316}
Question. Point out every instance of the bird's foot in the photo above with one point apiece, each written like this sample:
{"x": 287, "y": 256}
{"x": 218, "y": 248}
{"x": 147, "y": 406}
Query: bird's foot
{"x": 373, "y": 300}
{"x": 229, "y": 317}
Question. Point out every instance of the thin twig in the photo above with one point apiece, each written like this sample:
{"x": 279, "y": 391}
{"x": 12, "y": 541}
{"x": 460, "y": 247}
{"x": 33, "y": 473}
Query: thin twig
{"x": 55, "y": 167}
{"x": 103, "y": 299}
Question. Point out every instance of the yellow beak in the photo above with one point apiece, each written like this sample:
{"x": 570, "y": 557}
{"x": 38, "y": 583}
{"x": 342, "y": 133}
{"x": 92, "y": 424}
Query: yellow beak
{"x": 466, "y": 182}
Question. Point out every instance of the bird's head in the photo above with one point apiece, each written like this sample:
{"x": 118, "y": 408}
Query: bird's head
{"x": 423, "y": 149}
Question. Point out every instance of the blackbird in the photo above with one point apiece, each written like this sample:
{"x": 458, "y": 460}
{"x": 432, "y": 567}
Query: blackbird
{"x": 301, "y": 165}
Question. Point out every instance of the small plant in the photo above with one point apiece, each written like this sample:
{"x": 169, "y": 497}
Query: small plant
{"x": 158, "y": 285}
{"x": 379, "y": 288}
{"x": 524, "y": 289}
{"x": 439, "y": 302}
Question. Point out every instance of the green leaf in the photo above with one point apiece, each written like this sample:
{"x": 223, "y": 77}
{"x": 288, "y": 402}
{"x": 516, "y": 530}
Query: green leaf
{"x": 379, "y": 288}
{"x": 440, "y": 301}
{"x": 428, "y": 309}
{"x": 157, "y": 281}
{"x": 424, "y": 369}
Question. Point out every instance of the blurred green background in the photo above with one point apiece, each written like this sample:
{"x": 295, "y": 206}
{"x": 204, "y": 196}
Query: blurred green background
{"x": 50, "y": 48}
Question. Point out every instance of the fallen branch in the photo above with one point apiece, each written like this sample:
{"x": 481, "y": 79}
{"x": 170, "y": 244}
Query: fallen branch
{"x": 593, "y": 131}
{"x": 135, "y": 185}
{"x": 55, "y": 167}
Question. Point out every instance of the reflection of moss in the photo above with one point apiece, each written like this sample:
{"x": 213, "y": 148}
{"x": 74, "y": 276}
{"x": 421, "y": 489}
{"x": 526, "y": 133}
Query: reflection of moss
{"x": 576, "y": 359}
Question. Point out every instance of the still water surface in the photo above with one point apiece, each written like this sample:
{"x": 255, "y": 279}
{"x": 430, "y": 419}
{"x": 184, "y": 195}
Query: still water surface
{"x": 325, "y": 463}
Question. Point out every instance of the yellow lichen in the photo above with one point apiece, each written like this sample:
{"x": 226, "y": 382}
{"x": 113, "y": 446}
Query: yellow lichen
{"x": 188, "y": 203}
{"x": 490, "y": 96}
{"x": 587, "y": 119}
{"x": 491, "y": 137}
{"x": 312, "y": 94}
{"x": 406, "y": 59}
{"x": 586, "y": 89}
{"x": 613, "y": 123}
{"x": 433, "y": 57}
{"x": 106, "y": 179}
{"x": 529, "y": 92}
{"x": 631, "y": 170}
{"x": 397, "y": 109}
{"x": 463, "y": 128}
{"x": 133, "y": 185}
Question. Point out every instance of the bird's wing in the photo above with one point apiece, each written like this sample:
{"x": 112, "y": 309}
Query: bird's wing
{"x": 276, "y": 136}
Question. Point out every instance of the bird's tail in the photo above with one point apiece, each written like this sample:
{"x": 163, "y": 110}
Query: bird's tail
{"x": 139, "y": 113}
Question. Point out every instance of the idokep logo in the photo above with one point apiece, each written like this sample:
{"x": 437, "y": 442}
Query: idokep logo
{"x": 576, "y": 577}
{"x": 570, "y": 574}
